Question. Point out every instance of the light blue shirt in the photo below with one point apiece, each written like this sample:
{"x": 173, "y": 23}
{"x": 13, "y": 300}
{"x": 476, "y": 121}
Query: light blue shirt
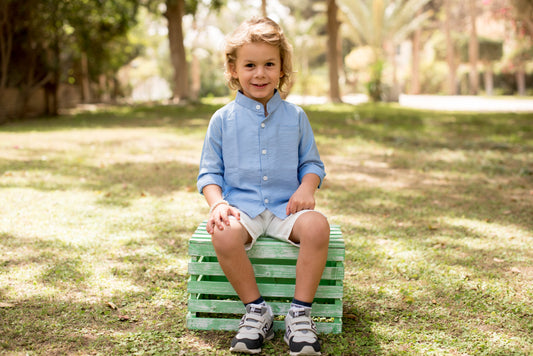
{"x": 259, "y": 161}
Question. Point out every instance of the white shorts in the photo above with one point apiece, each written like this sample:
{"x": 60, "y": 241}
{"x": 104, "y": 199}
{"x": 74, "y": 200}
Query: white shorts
{"x": 268, "y": 224}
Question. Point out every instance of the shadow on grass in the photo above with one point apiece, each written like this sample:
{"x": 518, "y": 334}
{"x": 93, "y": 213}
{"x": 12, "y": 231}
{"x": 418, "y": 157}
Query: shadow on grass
{"x": 161, "y": 116}
{"x": 45, "y": 326}
{"x": 401, "y": 127}
{"x": 116, "y": 183}
{"x": 93, "y": 298}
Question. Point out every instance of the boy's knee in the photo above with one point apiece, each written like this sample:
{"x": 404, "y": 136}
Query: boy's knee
{"x": 221, "y": 238}
{"x": 314, "y": 227}
{"x": 227, "y": 240}
{"x": 317, "y": 222}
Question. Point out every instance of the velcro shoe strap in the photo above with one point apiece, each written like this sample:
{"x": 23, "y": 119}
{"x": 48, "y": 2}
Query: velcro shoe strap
{"x": 301, "y": 324}
{"x": 252, "y": 321}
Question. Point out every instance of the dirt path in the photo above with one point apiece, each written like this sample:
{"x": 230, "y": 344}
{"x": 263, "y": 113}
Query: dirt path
{"x": 438, "y": 102}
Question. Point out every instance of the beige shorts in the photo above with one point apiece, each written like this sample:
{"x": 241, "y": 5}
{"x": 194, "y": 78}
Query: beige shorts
{"x": 268, "y": 224}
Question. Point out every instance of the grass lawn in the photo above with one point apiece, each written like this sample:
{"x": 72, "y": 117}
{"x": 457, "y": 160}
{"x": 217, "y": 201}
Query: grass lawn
{"x": 436, "y": 209}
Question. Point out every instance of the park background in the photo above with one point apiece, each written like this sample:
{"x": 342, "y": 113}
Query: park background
{"x": 58, "y": 54}
{"x": 103, "y": 120}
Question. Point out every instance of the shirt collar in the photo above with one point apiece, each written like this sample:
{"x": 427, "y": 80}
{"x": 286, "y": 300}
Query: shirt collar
{"x": 256, "y": 106}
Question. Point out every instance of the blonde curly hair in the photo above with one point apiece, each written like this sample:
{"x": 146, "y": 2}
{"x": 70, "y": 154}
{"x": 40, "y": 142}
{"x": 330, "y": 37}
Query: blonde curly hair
{"x": 258, "y": 29}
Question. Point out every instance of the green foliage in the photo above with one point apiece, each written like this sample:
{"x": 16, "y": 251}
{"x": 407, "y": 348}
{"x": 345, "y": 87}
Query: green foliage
{"x": 29, "y": 25}
{"x": 49, "y": 37}
{"x": 490, "y": 50}
{"x": 374, "y": 86}
{"x": 100, "y": 30}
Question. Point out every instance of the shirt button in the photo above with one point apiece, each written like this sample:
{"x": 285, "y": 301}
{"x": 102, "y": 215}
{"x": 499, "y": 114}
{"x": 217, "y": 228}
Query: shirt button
{"x": 266, "y": 201}
{"x": 265, "y": 178}
{"x": 263, "y": 124}
{"x": 264, "y": 152}
{"x": 258, "y": 107}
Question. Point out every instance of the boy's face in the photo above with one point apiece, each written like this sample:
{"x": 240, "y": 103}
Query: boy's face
{"x": 258, "y": 69}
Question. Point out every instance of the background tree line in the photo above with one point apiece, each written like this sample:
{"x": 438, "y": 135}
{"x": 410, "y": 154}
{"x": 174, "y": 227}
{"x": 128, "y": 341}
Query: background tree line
{"x": 341, "y": 46}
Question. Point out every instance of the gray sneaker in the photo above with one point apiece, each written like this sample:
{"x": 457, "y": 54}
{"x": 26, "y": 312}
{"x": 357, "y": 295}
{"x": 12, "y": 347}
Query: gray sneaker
{"x": 301, "y": 333}
{"x": 255, "y": 327}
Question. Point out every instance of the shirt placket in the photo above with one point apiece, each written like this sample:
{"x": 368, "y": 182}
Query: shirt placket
{"x": 263, "y": 151}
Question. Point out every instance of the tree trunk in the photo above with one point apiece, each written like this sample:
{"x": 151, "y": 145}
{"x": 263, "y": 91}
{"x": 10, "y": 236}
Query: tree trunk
{"x": 53, "y": 87}
{"x": 85, "y": 86}
{"x": 473, "y": 49}
{"x": 6, "y": 42}
{"x": 340, "y": 60}
{"x": 196, "y": 77}
{"x": 415, "y": 64}
{"x": 521, "y": 79}
{"x": 264, "y": 8}
{"x": 450, "y": 51}
{"x": 174, "y": 15}
{"x": 104, "y": 89}
{"x": 333, "y": 32}
{"x": 489, "y": 79}
{"x": 394, "y": 94}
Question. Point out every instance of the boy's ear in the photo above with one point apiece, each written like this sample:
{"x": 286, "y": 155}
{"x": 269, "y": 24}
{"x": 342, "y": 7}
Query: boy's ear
{"x": 232, "y": 70}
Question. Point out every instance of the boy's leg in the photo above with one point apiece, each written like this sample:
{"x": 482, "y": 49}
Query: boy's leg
{"x": 256, "y": 325}
{"x": 229, "y": 247}
{"x": 311, "y": 230}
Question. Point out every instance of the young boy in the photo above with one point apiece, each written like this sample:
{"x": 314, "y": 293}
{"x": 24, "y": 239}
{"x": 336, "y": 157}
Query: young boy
{"x": 259, "y": 171}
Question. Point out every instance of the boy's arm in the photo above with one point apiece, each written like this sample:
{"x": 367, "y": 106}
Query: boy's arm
{"x": 220, "y": 209}
{"x": 304, "y": 197}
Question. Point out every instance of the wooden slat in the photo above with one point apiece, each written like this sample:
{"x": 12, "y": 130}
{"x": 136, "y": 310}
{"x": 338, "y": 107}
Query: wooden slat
{"x": 278, "y": 308}
{"x": 193, "y": 322}
{"x": 266, "y": 289}
{"x": 277, "y": 250}
{"x": 262, "y": 270}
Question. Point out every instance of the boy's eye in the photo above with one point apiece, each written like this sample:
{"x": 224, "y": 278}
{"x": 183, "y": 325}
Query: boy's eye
{"x": 270, "y": 64}
{"x": 249, "y": 65}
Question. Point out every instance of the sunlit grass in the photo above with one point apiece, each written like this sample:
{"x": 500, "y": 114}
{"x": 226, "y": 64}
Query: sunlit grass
{"x": 96, "y": 210}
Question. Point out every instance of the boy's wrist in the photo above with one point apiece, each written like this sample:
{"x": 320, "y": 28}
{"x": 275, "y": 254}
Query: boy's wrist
{"x": 308, "y": 187}
{"x": 217, "y": 203}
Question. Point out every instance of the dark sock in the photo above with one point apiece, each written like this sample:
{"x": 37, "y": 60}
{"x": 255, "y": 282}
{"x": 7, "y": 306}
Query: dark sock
{"x": 297, "y": 302}
{"x": 257, "y": 301}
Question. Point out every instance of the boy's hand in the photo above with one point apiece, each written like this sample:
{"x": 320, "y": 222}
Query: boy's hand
{"x": 302, "y": 199}
{"x": 219, "y": 217}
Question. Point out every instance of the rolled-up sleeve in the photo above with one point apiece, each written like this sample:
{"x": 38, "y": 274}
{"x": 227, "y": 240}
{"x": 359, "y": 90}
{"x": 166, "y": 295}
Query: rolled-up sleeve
{"x": 309, "y": 158}
{"x": 211, "y": 169}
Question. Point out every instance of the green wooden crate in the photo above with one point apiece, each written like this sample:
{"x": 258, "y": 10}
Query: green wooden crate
{"x": 214, "y": 305}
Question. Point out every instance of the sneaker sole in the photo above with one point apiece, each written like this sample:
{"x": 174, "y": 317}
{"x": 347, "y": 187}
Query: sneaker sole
{"x": 305, "y": 351}
{"x": 241, "y": 346}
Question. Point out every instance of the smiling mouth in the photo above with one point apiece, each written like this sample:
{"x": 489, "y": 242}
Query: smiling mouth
{"x": 260, "y": 85}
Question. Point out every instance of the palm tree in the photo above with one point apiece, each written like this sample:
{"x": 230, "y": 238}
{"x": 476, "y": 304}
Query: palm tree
{"x": 382, "y": 24}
